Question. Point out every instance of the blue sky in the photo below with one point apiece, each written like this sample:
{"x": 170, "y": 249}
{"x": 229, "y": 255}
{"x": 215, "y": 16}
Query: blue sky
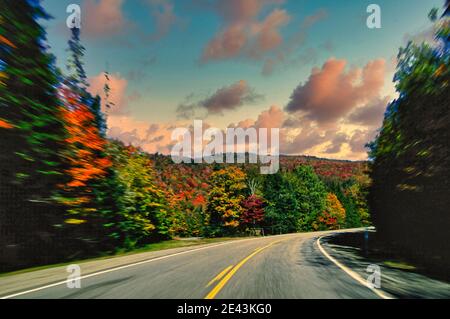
{"x": 156, "y": 47}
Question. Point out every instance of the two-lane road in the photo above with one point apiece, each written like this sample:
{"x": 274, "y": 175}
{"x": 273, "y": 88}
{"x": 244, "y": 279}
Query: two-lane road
{"x": 290, "y": 266}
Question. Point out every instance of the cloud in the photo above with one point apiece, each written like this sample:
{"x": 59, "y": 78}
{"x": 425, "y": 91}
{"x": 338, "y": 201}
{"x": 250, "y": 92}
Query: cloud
{"x": 282, "y": 56}
{"x": 371, "y": 114}
{"x": 332, "y": 91}
{"x": 336, "y": 143}
{"x": 227, "y": 98}
{"x": 314, "y": 18}
{"x": 152, "y": 138}
{"x": 359, "y": 140}
{"x": 242, "y": 10}
{"x": 267, "y": 32}
{"x": 303, "y": 138}
{"x": 293, "y": 140}
{"x": 243, "y": 34}
{"x": 309, "y": 130}
{"x": 103, "y": 18}
{"x": 118, "y": 94}
{"x": 272, "y": 118}
{"x": 165, "y": 18}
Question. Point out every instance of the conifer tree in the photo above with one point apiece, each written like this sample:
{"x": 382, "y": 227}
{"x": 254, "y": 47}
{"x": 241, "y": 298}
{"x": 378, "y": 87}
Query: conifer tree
{"x": 89, "y": 195}
{"x": 31, "y": 129}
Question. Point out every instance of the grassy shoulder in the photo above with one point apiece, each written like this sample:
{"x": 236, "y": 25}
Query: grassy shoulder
{"x": 164, "y": 245}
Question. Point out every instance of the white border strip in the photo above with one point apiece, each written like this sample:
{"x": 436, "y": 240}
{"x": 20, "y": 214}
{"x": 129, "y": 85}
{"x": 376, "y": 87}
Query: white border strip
{"x": 351, "y": 273}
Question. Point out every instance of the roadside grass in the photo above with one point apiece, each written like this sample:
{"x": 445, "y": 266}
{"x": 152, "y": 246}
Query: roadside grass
{"x": 399, "y": 265}
{"x": 164, "y": 245}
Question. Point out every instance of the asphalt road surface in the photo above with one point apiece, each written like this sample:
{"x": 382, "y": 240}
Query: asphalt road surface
{"x": 279, "y": 267}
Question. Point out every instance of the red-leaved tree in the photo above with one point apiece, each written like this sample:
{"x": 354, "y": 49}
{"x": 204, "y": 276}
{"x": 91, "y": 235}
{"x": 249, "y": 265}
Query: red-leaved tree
{"x": 254, "y": 211}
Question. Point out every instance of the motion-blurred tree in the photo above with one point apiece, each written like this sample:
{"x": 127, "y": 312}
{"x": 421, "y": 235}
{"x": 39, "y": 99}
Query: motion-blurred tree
{"x": 409, "y": 196}
{"x": 32, "y": 132}
{"x": 91, "y": 193}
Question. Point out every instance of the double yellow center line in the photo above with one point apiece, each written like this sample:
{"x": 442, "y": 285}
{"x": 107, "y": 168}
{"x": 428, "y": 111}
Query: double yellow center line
{"x": 230, "y": 271}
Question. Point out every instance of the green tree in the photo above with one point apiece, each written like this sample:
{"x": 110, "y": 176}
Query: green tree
{"x": 75, "y": 63}
{"x": 311, "y": 195}
{"x": 282, "y": 213}
{"x": 143, "y": 206}
{"x": 410, "y": 165}
{"x": 32, "y": 132}
{"x": 295, "y": 199}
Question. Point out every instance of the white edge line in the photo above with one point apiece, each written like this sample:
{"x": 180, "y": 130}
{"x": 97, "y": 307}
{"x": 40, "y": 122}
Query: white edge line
{"x": 131, "y": 265}
{"x": 351, "y": 273}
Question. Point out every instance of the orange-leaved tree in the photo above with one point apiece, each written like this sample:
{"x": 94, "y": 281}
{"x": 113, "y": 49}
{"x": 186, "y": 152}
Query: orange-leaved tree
{"x": 85, "y": 155}
{"x": 333, "y": 217}
{"x": 225, "y": 198}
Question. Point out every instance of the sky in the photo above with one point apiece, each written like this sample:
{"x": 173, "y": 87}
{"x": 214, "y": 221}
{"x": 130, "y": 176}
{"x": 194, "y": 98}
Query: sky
{"x": 312, "y": 68}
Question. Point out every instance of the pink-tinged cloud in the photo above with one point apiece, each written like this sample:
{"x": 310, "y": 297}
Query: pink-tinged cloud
{"x": 333, "y": 91}
{"x": 243, "y": 33}
{"x": 118, "y": 94}
{"x": 272, "y": 118}
{"x": 227, "y": 44}
{"x": 284, "y": 51}
{"x": 267, "y": 32}
{"x": 164, "y": 16}
{"x": 314, "y": 18}
{"x": 242, "y": 10}
{"x": 152, "y": 138}
{"x": 306, "y": 138}
{"x": 103, "y": 18}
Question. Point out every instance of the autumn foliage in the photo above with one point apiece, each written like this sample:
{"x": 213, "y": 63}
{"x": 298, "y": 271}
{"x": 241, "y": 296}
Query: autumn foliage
{"x": 253, "y": 214}
{"x": 224, "y": 200}
{"x": 85, "y": 145}
{"x": 333, "y": 217}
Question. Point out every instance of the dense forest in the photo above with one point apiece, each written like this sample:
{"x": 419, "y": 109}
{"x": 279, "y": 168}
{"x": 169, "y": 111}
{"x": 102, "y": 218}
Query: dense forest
{"x": 68, "y": 192}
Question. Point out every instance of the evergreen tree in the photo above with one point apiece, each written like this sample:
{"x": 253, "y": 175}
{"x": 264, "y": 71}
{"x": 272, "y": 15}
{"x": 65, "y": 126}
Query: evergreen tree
{"x": 295, "y": 199}
{"x": 31, "y": 130}
{"x": 75, "y": 63}
{"x": 311, "y": 195}
{"x": 282, "y": 208}
{"x": 91, "y": 193}
{"x": 410, "y": 169}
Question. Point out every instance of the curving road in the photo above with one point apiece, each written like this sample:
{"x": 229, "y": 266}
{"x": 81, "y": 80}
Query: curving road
{"x": 278, "y": 267}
